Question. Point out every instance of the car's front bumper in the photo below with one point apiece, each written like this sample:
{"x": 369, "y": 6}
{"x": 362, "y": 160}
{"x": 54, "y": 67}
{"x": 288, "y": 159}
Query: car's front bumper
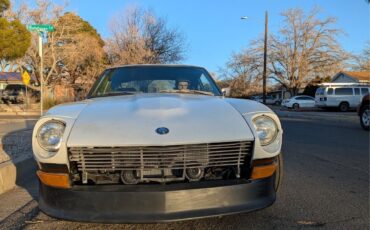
{"x": 156, "y": 203}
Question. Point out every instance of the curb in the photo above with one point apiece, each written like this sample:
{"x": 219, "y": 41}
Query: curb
{"x": 11, "y": 173}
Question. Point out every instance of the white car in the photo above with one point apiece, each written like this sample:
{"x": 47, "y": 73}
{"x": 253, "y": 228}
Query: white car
{"x": 156, "y": 143}
{"x": 269, "y": 100}
{"x": 297, "y": 102}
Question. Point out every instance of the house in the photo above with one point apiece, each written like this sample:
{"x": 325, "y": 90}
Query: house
{"x": 352, "y": 77}
{"x": 7, "y": 78}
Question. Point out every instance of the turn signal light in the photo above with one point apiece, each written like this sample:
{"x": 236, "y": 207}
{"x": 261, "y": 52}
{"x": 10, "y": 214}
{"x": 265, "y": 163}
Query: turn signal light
{"x": 263, "y": 168}
{"x": 58, "y": 180}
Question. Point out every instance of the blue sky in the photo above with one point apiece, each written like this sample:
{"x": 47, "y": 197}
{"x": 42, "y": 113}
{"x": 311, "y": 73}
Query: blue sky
{"x": 213, "y": 27}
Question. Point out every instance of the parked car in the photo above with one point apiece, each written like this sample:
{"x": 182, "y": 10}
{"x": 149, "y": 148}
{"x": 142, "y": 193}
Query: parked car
{"x": 301, "y": 101}
{"x": 13, "y": 93}
{"x": 156, "y": 143}
{"x": 364, "y": 112}
{"x": 340, "y": 96}
{"x": 270, "y": 100}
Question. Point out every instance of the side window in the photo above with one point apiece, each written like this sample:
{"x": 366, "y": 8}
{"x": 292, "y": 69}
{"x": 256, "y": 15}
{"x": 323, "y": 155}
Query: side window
{"x": 357, "y": 91}
{"x": 204, "y": 84}
{"x": 309, "y": 99}
{"x": 344, "y": 91}
{"x": 299, "y": 98}
{"x": 104, "y": 84}
{"x": 364, "y": 91}
{"x": 330, "y": 91}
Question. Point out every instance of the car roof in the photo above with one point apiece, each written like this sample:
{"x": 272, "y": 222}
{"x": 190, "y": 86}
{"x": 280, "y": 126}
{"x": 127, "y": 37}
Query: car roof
{"x": 156, "y": 65}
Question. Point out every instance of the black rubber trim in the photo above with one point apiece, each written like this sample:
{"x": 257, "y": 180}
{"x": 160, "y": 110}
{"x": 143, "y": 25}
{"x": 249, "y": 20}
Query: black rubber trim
{"x": 156, "y": 203}
{"x": 54, "y": 168}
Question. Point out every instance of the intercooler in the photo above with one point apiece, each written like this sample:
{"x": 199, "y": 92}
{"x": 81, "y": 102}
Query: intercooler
{"x": 146, "y": 159}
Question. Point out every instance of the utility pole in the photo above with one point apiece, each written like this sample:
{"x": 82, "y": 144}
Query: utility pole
{"x": 265, "y": 59}
{"x": 41, "y": 74}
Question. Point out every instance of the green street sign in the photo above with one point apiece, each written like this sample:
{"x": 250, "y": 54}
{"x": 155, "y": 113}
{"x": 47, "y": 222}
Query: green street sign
{"x": 41, "y": 27}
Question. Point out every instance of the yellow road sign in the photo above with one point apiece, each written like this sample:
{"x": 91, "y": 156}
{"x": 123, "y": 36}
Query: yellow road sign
{"x": 26, "y": 78}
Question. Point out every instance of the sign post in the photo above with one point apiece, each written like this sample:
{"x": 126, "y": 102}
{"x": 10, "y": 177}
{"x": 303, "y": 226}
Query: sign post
{"x": 41, "y": 28}
{"x": 26, "y": 80}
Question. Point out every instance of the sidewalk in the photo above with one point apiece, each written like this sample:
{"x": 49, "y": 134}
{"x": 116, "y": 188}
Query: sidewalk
{"x": 18, "y": 109}
{"x": 18, "y": 180}
{"x": 15, "y": 149}
{"x": 20, "y": 113}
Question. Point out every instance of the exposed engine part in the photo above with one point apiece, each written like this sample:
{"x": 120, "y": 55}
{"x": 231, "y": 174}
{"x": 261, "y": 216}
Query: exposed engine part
{"x": 161, "y": 164}
{"x": 130, "y": 176}
{"x": 219, "y": 173}
{"x": 194, "y": 174}
{"x": 98, "y": 178}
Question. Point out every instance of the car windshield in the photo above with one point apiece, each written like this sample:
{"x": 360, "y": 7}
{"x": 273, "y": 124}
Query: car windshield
{"x": 154, "y": 79}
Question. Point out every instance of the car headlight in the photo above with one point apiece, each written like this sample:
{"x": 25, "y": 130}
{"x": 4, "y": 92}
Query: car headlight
{"x": 266, "y": 129}
{"x": 49, "y": 136}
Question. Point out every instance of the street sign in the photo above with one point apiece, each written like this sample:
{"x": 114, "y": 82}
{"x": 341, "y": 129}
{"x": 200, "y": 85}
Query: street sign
{"x": 41, "y": 27}
{"x": 26, "y": 78}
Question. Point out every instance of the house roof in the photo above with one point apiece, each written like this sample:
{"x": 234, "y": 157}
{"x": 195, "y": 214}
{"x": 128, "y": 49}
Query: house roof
{"x": 12, "y": 77}
{"x": 361, "y": 76}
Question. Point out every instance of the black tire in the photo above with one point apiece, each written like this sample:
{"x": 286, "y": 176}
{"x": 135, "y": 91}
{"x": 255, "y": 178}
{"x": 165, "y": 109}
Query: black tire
{"x": 344, "y": 106}
{"x": 279, "y": 173}
{"x": 295, "y": 106}
{"x": 365, "y": 117}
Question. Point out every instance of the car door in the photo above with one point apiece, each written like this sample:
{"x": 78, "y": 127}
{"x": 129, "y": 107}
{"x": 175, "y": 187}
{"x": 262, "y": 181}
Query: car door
{"x": 309, "y": 102}
{"x": 300, "y": 102}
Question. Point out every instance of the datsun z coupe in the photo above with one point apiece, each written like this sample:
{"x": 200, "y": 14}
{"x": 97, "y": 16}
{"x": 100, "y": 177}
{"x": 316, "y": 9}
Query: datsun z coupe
{"x": 155, "y": 143}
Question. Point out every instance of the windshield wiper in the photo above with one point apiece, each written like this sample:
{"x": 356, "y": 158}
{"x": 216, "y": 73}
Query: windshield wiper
{"x": 189, "y": 91}
{"x": 115, "y": 93}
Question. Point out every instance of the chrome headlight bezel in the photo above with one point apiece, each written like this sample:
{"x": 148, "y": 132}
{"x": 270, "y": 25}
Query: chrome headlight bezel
{"x": 263, "y": 121}
{"x": 59, "y": 127}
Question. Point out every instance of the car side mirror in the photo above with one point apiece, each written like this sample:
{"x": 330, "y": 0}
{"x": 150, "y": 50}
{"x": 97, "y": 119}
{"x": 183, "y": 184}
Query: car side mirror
{"x": 226, "y": 92}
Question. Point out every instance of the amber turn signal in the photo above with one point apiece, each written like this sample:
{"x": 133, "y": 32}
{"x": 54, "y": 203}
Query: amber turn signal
{"x": 263, "y": 168}
{"x": 58, "y": 180}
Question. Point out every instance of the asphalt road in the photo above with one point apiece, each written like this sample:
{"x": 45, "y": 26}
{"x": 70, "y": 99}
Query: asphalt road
{"x": 326, "y": 184}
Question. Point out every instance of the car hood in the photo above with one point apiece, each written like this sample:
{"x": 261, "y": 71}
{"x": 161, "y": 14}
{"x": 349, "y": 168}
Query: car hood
{"x": 132, "y": 121}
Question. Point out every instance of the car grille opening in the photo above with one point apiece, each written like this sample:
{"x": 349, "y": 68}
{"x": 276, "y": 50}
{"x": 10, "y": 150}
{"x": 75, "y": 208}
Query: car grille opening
{"x": 137, "y": 164}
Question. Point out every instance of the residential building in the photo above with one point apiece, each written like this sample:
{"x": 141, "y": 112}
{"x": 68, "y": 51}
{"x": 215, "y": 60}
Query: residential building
{"x": 352, "y": 77}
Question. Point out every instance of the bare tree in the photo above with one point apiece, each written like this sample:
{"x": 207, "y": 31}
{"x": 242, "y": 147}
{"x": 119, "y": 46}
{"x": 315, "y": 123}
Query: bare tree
{"x": 141, "y": 37}
{"x": 243, "y": 72}
{"x": 362, "y": 61}
{"x": 305, "y": 47}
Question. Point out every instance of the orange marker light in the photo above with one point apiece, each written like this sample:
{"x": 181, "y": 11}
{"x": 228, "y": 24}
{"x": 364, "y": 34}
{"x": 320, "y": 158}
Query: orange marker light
{"x": 263, "y": 168}
{"x": 58, "y": 180}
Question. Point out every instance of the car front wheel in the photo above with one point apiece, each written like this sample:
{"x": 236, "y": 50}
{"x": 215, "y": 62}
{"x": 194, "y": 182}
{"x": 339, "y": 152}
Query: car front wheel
{"x": 295, "y": 106}
{"x": 365, "y": 117}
